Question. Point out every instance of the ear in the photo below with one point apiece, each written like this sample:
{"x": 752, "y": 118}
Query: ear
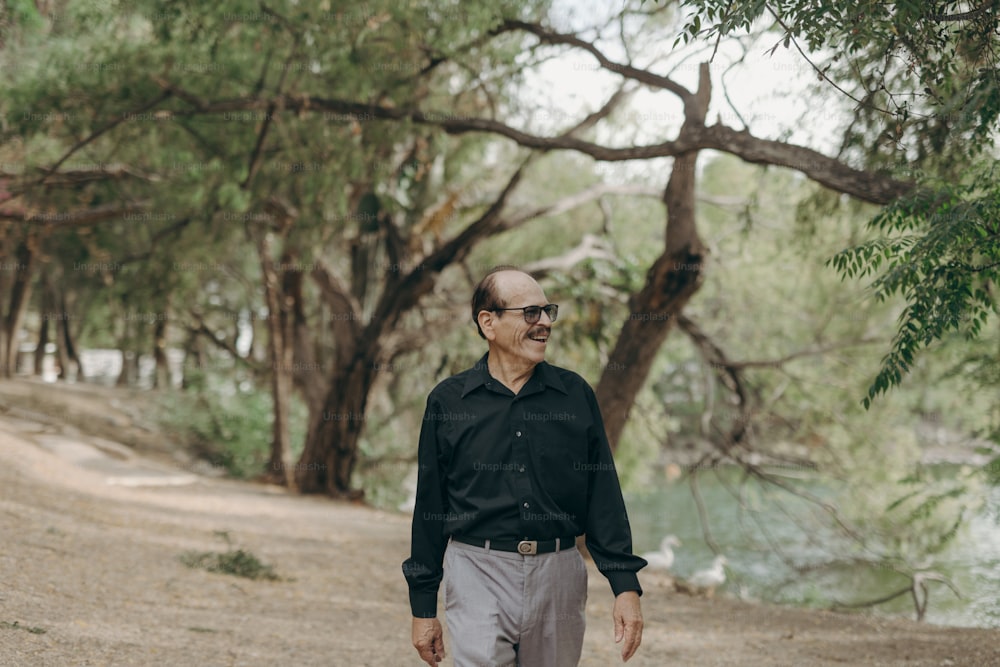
{"x": 485, "y": 319}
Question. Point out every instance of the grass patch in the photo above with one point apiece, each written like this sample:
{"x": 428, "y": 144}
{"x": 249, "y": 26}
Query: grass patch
{"x": 27, "y": 628}
{"x": 236, "y": 562}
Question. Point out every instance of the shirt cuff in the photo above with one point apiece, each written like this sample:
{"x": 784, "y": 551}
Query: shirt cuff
{"x": 423, "y": 605}
{"x": 622, "y": 582}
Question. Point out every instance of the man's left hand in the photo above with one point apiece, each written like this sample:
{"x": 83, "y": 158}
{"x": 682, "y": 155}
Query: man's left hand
{"x": 628, "y": 622}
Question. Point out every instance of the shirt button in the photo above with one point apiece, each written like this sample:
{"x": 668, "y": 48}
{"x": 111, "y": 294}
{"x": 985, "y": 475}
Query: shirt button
{"x": 521, "y": 469}
{"x": 517, "y": 433}
{"x": 526, "y": 505}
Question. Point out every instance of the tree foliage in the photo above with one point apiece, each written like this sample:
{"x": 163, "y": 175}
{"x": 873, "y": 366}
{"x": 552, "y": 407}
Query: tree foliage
{"x": 335, "y": 138}
{"x": 923, "y": 76}
{"x": 941, "y": 252}
{"x": 925, "y": 84}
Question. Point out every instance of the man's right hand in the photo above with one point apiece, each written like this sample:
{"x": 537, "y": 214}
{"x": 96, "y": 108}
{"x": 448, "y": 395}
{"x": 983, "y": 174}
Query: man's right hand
{"x": 428, "y": 639}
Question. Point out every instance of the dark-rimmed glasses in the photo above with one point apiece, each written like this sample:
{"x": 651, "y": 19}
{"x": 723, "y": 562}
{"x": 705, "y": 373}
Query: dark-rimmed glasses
{"x": 534, "y": 313}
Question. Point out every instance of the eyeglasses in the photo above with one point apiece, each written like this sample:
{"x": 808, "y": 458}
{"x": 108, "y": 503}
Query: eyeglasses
{"x": 534, "y": 313}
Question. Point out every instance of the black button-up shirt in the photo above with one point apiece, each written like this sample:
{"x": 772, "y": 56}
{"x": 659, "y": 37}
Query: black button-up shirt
{"x": 530, "y": 466}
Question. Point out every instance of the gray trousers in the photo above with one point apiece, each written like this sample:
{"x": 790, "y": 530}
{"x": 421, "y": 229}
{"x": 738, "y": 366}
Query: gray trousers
{"x": 508, "y": 610}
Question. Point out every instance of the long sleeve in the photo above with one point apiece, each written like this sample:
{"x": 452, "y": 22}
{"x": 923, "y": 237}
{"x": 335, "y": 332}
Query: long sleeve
{"x": 609, "y": 537}
{"x": 423, "y": 569}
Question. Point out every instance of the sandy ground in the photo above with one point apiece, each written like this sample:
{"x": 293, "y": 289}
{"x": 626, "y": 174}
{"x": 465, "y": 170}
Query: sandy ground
{"x": 92, "y": 532}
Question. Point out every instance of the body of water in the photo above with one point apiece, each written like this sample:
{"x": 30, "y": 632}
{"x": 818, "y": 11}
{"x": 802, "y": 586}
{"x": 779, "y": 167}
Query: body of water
{"x": 775, "y": 556}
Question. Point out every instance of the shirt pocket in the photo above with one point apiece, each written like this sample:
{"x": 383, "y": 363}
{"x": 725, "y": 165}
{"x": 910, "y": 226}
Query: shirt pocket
{"x": 563, "y": 453}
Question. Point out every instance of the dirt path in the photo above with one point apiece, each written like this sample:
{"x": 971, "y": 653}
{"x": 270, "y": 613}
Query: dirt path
{"x": 92, "y": 533}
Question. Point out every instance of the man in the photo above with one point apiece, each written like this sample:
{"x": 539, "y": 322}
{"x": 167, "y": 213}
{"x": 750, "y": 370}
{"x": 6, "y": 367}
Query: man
{"x": 514, "y": 464}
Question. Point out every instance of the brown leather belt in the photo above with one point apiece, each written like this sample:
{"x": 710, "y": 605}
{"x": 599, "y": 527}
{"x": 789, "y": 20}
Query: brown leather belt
{"x": 523, "y": 547}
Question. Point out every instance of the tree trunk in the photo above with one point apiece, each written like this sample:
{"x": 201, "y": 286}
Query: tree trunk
{"x": 331, "y": 449}
{"x": 161, "y": 375}
{"x": 126, "y": 378}
{"x": 129, "y": 375}
{"x": 194, "y": 356}
{"x": 66, "y": 344}
{"x": 307, "y": 376}
{"x": 20, "y": 295}
{"x": 281, "y": 467}
{"x": 62, "y": 355}
{"x": 48, "y": 314}
{"x": 5, "y": 282}
{"x": 43, "y": 342}
{"x": 670, "y": 283}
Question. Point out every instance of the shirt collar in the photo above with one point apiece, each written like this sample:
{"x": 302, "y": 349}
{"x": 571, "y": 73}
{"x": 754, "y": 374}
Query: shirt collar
{"x": 544, "y": 376}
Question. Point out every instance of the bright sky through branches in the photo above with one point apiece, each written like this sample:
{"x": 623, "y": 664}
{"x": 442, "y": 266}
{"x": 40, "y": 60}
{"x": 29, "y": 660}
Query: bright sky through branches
{"x": 767, "y": 92}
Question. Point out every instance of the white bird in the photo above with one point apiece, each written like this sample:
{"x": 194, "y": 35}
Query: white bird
{"x": 712, "y": 577}
{"x": 664, "y": 558}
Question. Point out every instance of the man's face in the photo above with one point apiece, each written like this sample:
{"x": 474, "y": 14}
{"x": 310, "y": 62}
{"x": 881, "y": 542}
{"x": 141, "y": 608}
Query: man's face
{"x": 508, "y": 333}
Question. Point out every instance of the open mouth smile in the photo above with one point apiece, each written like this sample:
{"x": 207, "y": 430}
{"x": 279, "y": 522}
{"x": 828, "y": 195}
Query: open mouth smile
{"x": 539, "y": 337}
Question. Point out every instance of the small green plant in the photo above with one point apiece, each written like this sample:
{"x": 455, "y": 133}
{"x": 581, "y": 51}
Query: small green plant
{"x": 17, "y": 626}
{"x": 237, "y": 562}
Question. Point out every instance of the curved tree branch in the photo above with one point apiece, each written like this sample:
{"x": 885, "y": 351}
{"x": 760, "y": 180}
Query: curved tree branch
{"x": 627, "y": 71}
{"x": 107, "y": 128}
{"x": 877, "y": 188}
{"x": 77, "y": 218}
{"x": 963, "y": 16}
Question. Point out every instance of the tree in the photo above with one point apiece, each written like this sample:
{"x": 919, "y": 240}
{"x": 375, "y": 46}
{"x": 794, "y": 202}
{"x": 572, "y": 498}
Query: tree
{"x": 674, "y": 277}
{"x": 925, "y": 82}
{"x": 922, "y": 76}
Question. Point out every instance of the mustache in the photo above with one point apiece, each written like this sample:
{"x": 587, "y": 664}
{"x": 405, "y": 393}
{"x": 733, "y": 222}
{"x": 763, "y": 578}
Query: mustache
{"x": 537, "y": 331}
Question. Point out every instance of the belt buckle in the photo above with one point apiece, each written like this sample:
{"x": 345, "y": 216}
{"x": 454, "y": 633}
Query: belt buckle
{"x": 527, "y": 547}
